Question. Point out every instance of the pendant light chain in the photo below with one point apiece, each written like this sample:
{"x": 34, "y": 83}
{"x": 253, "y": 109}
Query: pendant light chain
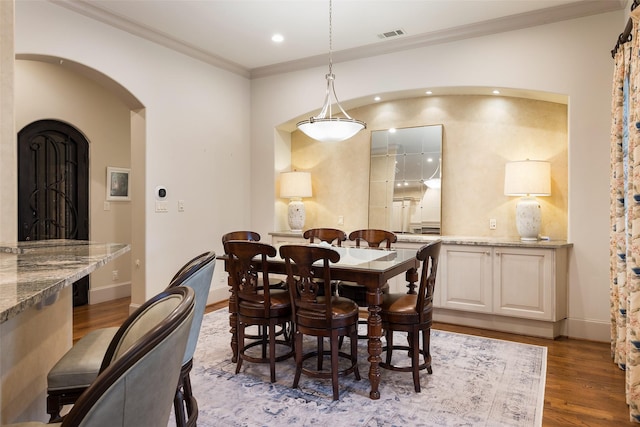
{"x": 330, "y": 37}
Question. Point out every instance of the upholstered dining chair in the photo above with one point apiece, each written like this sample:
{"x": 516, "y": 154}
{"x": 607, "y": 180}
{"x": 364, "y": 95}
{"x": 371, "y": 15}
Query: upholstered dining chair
{"x": 412, "y": 314}
{"x": 136, "y": 386}
{"x": 319, "y": 316}
{"x": 197, "y": 275}
{"x": 79, "y": 367}
{"x": 256, "y": 304}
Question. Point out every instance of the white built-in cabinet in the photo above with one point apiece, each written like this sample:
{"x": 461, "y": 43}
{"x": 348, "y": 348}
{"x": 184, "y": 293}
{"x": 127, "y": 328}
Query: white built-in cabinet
{"x": 505, "y": 285}
{"x": 529, "y": 283}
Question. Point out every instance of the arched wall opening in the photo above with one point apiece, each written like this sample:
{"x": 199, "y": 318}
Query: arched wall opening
{"x": 113, "y": 120}
{"x": 482, "y": 131}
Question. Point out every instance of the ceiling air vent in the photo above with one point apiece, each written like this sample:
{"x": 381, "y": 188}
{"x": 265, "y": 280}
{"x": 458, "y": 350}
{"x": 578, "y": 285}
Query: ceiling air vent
{"x": 390, "y": 34}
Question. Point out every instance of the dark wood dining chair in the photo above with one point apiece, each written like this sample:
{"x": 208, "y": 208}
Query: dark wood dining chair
{"x": 319, "y": 316}
{"x": 328, "y": 235}
{"x": 251, "y": 236}
{"x": 412, "y": 313}
{"x": 274, "y": 283}
{"x": 374, "y": 239}
{"x": 256, "y": 304}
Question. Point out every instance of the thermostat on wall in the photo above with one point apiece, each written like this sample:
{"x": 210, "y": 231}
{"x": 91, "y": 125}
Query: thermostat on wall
{"x": 161, "y": 192}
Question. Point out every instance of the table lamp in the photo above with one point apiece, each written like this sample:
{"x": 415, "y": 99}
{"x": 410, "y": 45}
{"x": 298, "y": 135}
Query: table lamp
{"x": 528, "y": 178}
{"x": 294, "y": 186}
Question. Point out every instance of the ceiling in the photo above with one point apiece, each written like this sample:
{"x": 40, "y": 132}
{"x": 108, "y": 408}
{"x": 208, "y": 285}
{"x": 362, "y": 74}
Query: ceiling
{"x": 236, "y": 34}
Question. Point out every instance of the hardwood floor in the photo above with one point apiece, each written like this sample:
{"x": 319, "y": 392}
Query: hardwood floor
{"x": 583, "y": 387}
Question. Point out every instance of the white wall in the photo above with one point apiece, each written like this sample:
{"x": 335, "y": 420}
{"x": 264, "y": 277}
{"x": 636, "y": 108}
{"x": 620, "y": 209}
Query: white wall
{"x": 198, "y": 143}
{"x": 197, "y": 138}
{"x": 570, "y": 58}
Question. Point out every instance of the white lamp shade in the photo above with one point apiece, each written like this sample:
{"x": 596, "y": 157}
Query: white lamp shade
{"x": 527, "y": 178}
{"x": 332, "y": 129}
{"x": 295, "y": 184}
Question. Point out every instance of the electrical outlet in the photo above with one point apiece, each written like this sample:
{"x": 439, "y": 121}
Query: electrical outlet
{"x": 492, "y": 224}
{"x": 114, "y": 275}
{"x": 180, "y": 205}
{"x": 340, "y": 220}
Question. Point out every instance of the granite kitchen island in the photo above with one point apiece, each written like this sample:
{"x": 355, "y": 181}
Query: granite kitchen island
{"x": 36, "y": 315}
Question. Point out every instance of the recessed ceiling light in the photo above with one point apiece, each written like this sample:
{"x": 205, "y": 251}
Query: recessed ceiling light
{"x": 392, "y": 130}
{"x": 377, "y": 98}
{"x": 277, "y": 38}
{"x": 429, "y": 92}
{"x": 496, "y": 92}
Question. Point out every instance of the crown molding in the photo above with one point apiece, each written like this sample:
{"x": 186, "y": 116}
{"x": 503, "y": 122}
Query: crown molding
{"x": 93, "y": 12}
{"x": 577, "y": 9}
{"x": 550, "y": 15}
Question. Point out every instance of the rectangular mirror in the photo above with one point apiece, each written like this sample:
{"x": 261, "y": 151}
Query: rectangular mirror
{"x": 405, "y": 180}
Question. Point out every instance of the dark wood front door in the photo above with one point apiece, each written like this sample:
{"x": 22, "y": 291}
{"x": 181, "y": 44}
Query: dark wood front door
{"x": 53, "y": 187}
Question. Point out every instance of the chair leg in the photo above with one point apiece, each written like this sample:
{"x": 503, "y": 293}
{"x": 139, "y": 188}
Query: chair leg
{"x": 240, "y": 333}
{"x": 298, "y": 353}
{"x": 415, "y": 359}
{"x": 53, "y": 408}
{"x": 426, "y": 343}
{"x": 272, "y": 351}
{"x": 178, "y": 408}
{"x": 334, "y": 364}
{"x": 389, "y": 339}
{"x": 320, "y": 352}
{"x": 354, "y": 353}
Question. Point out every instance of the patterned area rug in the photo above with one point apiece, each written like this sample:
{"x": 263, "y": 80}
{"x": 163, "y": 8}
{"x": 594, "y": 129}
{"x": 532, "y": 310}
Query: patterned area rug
{"x": 475, "y": 382}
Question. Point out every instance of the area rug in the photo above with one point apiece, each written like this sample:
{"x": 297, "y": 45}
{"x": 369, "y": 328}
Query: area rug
{"x": 475, "y": 382}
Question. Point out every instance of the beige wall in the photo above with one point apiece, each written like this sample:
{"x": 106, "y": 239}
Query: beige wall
{"x": 481, "y": 134}
{"x": 48, "y": 91}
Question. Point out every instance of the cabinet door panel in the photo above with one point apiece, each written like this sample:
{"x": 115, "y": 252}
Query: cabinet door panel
{"x": 466, "y": 278}
{"x": 523, "y": 279}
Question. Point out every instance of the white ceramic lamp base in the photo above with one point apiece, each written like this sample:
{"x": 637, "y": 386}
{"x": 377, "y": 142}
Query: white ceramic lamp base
{"x": 528, "y": 218}
{"x": 296, "y": 215}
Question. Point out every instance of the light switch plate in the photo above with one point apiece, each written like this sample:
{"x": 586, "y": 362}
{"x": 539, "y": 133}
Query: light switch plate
{"x": 162, "y": 207}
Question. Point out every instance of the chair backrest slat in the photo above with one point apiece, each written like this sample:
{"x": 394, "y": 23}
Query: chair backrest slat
{"x": 328, "y": 235}
{"x": 374, "y": 238}
{"x": 428, "y": 255}
{"x": 301, "y": 278}
{"x": 245, "y": 271}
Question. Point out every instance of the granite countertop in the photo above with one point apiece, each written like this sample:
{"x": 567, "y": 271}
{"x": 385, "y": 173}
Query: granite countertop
{"x": 461, "y": 240}
{"x": 34, "y": 272}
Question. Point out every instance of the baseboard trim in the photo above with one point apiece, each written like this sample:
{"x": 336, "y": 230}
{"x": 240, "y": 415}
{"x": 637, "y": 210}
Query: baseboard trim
{"x": 108, "y": 293}
{"x": 514, "y": 325}
{"x": 215, "y": 295}
{"x": 591, "y": 330}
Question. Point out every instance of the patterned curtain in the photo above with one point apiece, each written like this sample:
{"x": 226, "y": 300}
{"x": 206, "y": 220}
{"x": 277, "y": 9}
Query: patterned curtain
{"x": 625, "y": 218}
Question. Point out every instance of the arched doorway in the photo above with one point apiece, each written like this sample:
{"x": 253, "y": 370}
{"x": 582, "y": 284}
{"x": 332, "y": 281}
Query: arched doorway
{"x": 53, "y": 187}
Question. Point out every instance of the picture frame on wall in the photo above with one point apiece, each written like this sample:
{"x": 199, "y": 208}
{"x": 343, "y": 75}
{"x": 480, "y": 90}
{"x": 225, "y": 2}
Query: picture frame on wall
{"x": 118, "y": 188}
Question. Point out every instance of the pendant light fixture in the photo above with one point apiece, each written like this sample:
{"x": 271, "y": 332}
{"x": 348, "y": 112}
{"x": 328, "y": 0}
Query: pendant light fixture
{"x": 324, "y": 127}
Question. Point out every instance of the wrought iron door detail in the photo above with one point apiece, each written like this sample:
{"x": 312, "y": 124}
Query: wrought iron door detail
{"x": 53, "y": 183}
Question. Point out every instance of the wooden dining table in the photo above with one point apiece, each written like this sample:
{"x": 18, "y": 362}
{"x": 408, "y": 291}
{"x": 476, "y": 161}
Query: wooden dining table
{"x": 371, "y": 268}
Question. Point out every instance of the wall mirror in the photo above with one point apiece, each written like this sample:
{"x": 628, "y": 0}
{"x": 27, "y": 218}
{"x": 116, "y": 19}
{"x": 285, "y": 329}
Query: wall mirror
{"x": 405, "y": 180}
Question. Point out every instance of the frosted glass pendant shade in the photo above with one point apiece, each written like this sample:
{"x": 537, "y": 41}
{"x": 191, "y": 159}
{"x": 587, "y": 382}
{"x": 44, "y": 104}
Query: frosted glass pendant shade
{"x": 333, "y": 129}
